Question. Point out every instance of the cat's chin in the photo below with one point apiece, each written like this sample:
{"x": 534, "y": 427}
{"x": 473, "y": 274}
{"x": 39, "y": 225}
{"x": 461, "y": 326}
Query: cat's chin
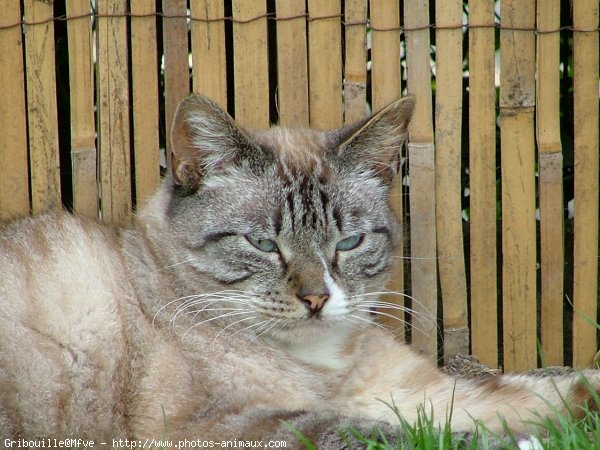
{"x": 302, "y": 331}
{"x": 316, "y": 342}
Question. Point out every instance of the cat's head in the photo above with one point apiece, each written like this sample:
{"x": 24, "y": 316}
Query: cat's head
{"x": 287, "y": 231}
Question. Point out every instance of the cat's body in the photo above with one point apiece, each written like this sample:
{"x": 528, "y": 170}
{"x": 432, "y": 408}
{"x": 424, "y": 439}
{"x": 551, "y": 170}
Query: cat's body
{"x": 239, "y": 297}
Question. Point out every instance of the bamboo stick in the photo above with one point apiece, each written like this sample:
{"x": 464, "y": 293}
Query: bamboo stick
{"x": 292, "y": 64}
{"x": 325, "y": 64}
{"x": 355, "y": 66}
{"x": 482, "y": 183}
{"x": 14, "y": 185}
{"x": 176, "y": 64}
{"x": 385, "y": 53}
{"x": 422, "y": 181}
{"x": 251, "y": 76}
{"x": 113, "y": 111}
{"x": 586, "y": 143}
{"x": 550, "y": 183}
{"x": 41, "y": 108}
{"x": 145, "y": 99}
{"x": 517, "y": 101}
{"x": 208, "y": 50}
{"x": 385, "y": 88}
{"x": 83, "y": 124}
{"x": 448, "y": 125}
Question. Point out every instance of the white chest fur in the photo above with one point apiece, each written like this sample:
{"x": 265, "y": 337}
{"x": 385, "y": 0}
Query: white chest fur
{"x": 324, "y": 350}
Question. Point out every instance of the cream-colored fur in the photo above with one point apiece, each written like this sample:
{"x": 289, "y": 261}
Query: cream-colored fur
{"x": 90, "y": 348}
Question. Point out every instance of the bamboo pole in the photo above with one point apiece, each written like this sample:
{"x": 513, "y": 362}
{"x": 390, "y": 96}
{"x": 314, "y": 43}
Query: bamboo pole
{"x": 14, "y": 186}
{"x": 422, "y": 182}
{"x": 292, "y": 64}
{"x": 83, "y": 121}
{"x": 385, "y": 88}
{"x": 448, "y": 125}
{"x": 113, "y": 111}
{"x": 355, "y": 66}
{"x": 550, "y": 183}
{"x": 176, "y": 63}
{"x": 145, "y": 99}
{"x": 325, "y": 64}
{"x": 41, "y": 108}
{"x": 586, "y": 143}
{"x": 208, "y": 50}
{"x": 251, "y": 76}
{"x": 385, "y": 52}
{"x": 482, "y": 183}
{"x": 517, "y": 101}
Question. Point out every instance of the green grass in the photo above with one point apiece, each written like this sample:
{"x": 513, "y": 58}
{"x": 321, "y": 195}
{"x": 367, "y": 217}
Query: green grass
{"x": 564, "y": 432}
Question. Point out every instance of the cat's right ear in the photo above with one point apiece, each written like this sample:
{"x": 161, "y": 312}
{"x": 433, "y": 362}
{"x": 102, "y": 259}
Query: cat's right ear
{"x": 203, "y": 138}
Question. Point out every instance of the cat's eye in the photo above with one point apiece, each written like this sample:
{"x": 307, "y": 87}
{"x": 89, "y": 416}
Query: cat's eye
{"x": 264, "y": 245}
{"x": 350, "y": 243}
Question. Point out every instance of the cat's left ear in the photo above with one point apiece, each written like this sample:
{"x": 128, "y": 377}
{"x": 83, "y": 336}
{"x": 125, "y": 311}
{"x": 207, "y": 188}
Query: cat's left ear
{"x": 376, "y": 143}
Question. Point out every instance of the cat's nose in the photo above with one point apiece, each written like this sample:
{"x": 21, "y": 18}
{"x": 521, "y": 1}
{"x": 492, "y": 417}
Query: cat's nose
{"x": 314, "y": 303}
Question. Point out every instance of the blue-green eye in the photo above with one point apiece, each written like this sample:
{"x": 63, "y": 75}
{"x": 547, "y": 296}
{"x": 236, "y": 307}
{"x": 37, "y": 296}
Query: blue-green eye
{"x": 350, "y": 243}
{"x": 264, "y": 245}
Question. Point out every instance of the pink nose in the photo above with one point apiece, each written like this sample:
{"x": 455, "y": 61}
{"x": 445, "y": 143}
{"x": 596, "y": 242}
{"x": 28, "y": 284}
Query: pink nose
{"x": 314, "y": 303}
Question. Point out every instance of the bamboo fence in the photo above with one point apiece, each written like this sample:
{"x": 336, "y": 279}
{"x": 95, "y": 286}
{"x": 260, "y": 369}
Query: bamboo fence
{"x": 550, "y": 164}
{"x": 504, "y": 137}
{"x": 482, "y": 180}
{"x": 517, "y": 104}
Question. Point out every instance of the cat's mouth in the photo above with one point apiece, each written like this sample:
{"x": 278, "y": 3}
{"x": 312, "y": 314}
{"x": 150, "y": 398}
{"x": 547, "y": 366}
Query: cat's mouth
{"x": 309, "y": 311}
{"x": 308, "y": 321}
{"x": 299, "y": 319}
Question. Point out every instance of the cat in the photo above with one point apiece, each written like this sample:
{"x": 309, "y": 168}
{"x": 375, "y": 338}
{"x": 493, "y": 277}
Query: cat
{"x": 237, "y": 301}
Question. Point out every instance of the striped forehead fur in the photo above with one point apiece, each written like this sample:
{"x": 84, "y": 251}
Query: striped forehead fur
{"x": 296, "y": 149}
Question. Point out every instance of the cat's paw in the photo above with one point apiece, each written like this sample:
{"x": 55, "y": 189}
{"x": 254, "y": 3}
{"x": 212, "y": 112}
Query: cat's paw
{"x": 530, "y": 443}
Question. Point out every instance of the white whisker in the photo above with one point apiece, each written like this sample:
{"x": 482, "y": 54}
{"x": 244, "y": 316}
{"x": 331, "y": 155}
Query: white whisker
{"x": 350, "y": 318}
{"x": 168, "y": 304}
{"x": 257, "y": 326}
{"x": 425, "y": 311}
{"x": 391, "y": 316}
{"x": 382, "y": 304}
{"x": 278, "y": 322}
{"x": 222, "y": 316}
{"x": 425, "y": 319}
{"x": 368, "y": 321}
{"x": 264, "y": 327}
{"x": 231, "y": 325}
{"x": 196, "y": 313}
{"x": 208, "y": 297}
{"x": 185, "y": 261}
{"x": 204, "y": 302}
